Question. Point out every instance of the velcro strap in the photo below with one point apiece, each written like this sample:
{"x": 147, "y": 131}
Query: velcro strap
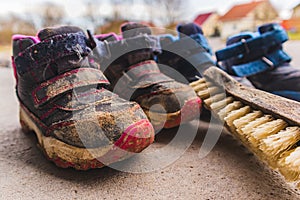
{"x": 183, "y": 46}
{"x": 149, "y": 80}
{"x": 127, "y": 45}
{"x": 82, "y": 99}
{"x": 194, "y": 47}
{"x": 251, "y": 68}
{"x": 145, "y": 74}
{"x": 142, "y": 69}
{"x": 259, "y": 45}
{"x": 268, "y": 62}
{"x": 73, "y": 79}
{"x": 52, "y": 49}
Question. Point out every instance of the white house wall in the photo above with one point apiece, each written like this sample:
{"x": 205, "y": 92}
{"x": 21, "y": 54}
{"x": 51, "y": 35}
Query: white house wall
{"x": 233, "y": 27}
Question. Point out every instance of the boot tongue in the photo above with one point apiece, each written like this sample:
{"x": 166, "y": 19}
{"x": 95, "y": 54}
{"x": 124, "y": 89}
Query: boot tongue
{"x": 50, "y": 32}
{"x": 189, "y": 29}
{"x": 132, "y": 29}
{"x": 62, "y": 63}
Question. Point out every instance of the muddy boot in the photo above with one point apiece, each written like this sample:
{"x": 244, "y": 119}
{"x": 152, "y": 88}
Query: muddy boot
{"x": 134, "y": 75}
{"x": 64, "y": 100}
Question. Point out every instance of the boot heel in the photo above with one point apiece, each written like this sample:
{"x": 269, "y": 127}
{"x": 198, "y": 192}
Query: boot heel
{"x": 24, "y": 125}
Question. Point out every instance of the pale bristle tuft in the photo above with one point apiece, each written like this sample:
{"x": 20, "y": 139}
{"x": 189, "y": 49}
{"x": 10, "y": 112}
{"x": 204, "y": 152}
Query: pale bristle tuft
{"x": 274, "y": 145}
{"x": 236, "y": 114}
{"x": 217, "y": 106}
{"x": 200, "y": 87}
{"x": 243, "y": 121}
{"x": 247, "y": 129}
{"x": 204, "y": 94}
{"x": 266, "y": 129}
{"x": 202, "y": 80}
{"x": 215, "y": 98}
{"x": 229, "y": 108}
{"x": 290, "y": 164}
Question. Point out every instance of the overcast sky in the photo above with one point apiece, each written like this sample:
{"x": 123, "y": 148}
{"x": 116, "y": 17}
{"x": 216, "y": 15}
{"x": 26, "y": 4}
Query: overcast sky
{"x": 75, "y": 7}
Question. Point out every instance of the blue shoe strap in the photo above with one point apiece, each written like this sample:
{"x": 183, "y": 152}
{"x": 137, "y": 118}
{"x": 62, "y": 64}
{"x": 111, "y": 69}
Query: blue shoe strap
{"x": 201, "y": 39}
{"x": 270, "y": 61}
{"x": 260, "y": 45}
{"x": 166, "y": 39}
{"x": 186, "y": 44}
{"x": 288, "y": 94}
{"x": 183, "y": 44}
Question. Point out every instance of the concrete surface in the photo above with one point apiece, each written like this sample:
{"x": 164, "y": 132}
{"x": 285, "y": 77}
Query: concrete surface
{"x": 228, "y": 172}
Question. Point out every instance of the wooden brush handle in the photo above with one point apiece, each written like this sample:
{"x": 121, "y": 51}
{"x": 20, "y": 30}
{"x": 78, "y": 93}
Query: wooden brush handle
{"x": 277, "y": 106}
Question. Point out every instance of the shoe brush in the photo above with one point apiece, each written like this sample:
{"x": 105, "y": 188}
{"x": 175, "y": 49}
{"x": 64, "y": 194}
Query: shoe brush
{"x": 267, "y": 124}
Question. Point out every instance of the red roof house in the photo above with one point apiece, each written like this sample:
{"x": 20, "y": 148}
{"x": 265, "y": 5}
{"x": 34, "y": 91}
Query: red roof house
{"x": 240, "y": 11}
{"x": 208, "y": 22}
{"x": 201, "y": 18}
{"x": 247, "y": 16}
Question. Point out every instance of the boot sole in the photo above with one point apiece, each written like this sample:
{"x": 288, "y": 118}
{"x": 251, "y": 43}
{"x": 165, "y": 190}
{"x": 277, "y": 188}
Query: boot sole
{"x": 189, "y": 111}
{"x": 133, "y": 140}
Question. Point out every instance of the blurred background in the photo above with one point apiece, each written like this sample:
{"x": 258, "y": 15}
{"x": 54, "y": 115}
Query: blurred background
{"x": 218, "y": 18}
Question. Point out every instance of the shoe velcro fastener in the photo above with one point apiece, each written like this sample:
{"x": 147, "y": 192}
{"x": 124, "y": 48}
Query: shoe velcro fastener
{"x": 145, "y": 74}
{"x": 268, "y": 62}
{"x": 254, "y": 47}
{"x": 143, "y": 68}
{"x": 192, "y": 49}
{"x": 184, "y": 46}
{"x": 63, "y": 83}
{"x": 51, "y": 49}
{"x": 189, "y": 55}
{"x": 119, "y": 48}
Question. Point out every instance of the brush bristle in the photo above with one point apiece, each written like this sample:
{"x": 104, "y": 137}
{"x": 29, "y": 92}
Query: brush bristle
{"x": 290, "y": 164}
{"x": 195, "y": 83}
{"x": 243, "y": 121}
{"x": 266, "y": 129}
{"x": 236, "y": 114}
{"x": 248, "y": 129}
{"x": 200, "y": 87}
{"x": 275, "y": 144}
{"x": 215, "y": 98}
{"x": 217, "y": 106}
{"x": 229, "y": 108}
{"x": 209, "y": 92}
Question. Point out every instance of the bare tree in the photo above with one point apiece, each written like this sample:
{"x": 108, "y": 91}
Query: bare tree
{"x": 14, "y": 24}
{"x": 51, "y": 14}
{"x": 93, "y": 12}
{"x": 121, "y": 9}
{"x": 173, "y": 10}
{"x": 167, "y": 11}
{"x": 149, "y": 6}
{"x": 116, "y": 9}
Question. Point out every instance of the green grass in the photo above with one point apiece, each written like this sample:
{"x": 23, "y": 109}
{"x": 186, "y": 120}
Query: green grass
{"x": 294, "y": 36}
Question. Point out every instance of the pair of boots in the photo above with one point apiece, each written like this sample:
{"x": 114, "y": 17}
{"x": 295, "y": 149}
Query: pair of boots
{"x": 255, "y": 59}
{"x": 89, "y": 98}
